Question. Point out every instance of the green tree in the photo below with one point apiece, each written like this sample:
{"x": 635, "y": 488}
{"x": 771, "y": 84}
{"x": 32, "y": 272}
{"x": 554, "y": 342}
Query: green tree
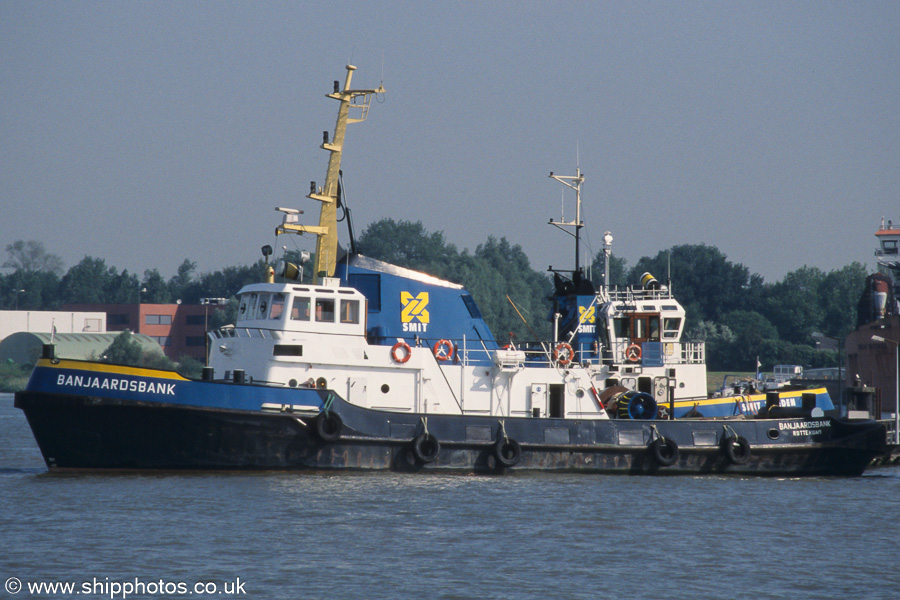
{"x": 839, "y": 294}
{"x": 225, "y": 283}
{"x": 13, "y": 376}
{"x": 717, "y": 337}
{"x": 41, "y": 290}
{"x": 500, "y": 275}
{"x": 701, "y": 276}
{"x": 124, "y": 350}
{"x": 91, "y": 281}
{"x": 793, "y": 305}
{"x": 618, "y": 270}
{"x": 223, "y": 315}
{"x": 190, "y": 367}
{"x": 755, "y": 338}
{"x": 182, "y": 279}
{"x": 31, "y": 256}
{"x": 805, "y": 355}
{"x": 157, "y": 290}
{"x": 749, "y": 326}
{"x": 407, "y": 244}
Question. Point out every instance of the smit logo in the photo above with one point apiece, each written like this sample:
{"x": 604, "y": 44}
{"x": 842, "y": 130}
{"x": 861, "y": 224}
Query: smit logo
{"x": 415, "y": 308}
{"x": 586, "y": 314}
{"x": 586, "y": 319}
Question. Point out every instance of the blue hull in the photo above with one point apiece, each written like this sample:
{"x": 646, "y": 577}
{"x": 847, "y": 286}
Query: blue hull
{"x": 177, "y": 423}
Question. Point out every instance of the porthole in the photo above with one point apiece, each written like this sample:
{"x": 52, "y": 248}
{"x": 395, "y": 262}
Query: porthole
{"x": 579, "y": 393}
{"x": 773, "y": 434}
{"x": 385, "y": 388}
{"x": 292, "y": 383}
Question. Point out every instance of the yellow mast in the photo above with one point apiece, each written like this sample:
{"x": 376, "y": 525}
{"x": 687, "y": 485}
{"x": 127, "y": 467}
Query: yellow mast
{"x": 326, "y": 231}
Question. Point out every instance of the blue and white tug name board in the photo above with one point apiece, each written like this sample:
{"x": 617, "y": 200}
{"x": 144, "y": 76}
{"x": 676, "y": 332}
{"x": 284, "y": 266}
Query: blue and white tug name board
{"x": 140, "y": 386}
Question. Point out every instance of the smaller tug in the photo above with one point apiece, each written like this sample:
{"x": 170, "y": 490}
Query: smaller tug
{"x": 373, "y": 366}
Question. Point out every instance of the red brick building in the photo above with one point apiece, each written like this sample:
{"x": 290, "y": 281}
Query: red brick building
{"x": 180, "y": 329}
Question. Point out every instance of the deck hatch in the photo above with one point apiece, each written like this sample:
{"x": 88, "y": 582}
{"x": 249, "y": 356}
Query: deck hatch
{"x": 705, "y": 438}
{"x": 475, "y": 433}
{"x": 403, "y": 430}
{"x": 632, "y": 437}
{"x": 556, "y": 435}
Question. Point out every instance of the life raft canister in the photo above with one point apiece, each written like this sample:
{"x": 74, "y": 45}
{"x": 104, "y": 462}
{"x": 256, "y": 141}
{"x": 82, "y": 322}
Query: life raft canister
{"x": 407, "y": 352}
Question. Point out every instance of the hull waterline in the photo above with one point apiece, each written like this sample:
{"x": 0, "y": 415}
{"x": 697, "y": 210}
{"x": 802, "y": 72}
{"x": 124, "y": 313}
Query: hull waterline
{"x": 89, "y": 432}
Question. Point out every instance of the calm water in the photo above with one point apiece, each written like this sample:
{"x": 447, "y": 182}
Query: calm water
{"x": 281, "y": 535}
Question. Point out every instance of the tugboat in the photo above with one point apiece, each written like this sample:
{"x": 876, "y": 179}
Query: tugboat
{"x": 372, "y": 366}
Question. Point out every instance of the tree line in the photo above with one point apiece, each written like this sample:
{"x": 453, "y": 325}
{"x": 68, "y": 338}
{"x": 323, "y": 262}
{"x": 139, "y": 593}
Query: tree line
{"x": 738, "y": 315}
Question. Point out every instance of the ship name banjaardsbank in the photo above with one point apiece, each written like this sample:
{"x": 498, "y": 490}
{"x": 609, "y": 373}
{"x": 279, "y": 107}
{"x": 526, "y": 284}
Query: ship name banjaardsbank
{"x": 140, "y": 386}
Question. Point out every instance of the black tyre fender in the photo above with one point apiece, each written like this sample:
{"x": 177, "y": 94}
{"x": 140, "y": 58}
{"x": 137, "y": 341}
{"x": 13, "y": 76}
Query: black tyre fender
{"x": 664, "y": 451}
{"x": 425, "y": 448}
{"x": 507, "y": 451}
{"x": 737, "y": 449}
{"x": 328, "y": 426}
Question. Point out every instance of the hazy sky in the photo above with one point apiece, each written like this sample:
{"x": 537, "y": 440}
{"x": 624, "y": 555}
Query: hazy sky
{"x": 145, "y": 133}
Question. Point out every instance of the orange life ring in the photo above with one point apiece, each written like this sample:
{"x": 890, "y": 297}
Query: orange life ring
{"x": 563, "y": 353}
{"x": 407, "y": 352}
{"x": 443, "y": 350}
{"x": 633, "y": 353}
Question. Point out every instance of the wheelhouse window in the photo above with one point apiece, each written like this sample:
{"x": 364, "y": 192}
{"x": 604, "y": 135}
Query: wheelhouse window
{"x": 263, "y": 305}
{"x": 325, "y": 310}
{"x": 277, "y": 308}
{"x": 621, "y": 328}
{"x": 671, "y": 327}
{"x": 350, "y": 311}
{"x": 653, "y": 324}
{"x": 300, "y": 309}
{"x": 248, "y": 305}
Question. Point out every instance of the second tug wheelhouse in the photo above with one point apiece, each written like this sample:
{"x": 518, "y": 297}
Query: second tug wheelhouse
{"x": 373, "y": 366}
